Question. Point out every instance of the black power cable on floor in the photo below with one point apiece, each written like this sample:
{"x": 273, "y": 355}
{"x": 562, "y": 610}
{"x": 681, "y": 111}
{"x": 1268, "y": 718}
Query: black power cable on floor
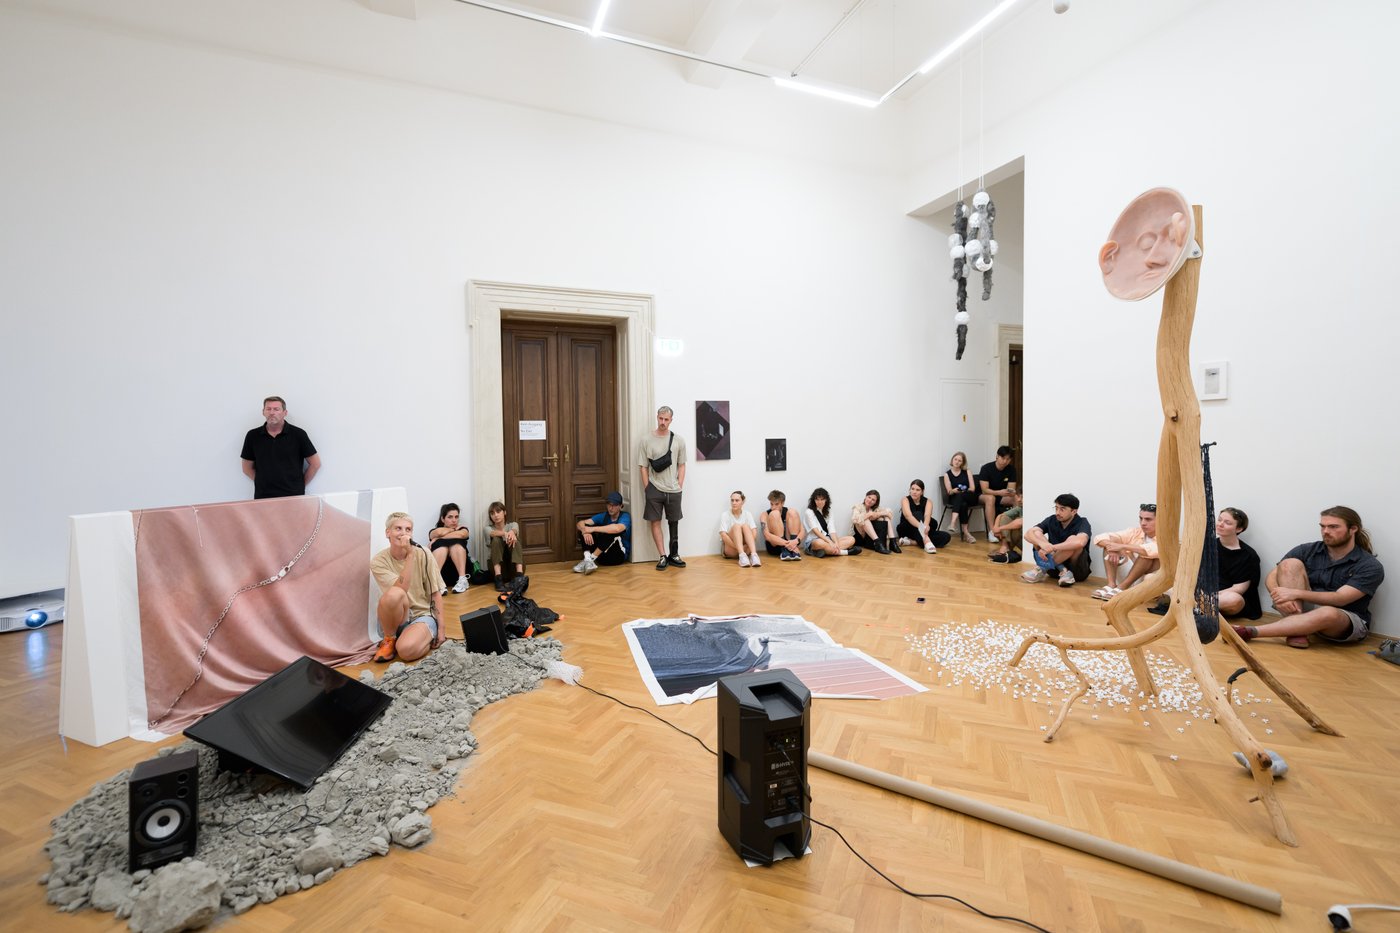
{"x": 854, "y": 851}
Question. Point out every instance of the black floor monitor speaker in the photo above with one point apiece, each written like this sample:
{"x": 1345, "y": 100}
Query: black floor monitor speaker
{"x": 763, "y": 731}
{"x": 484, "y": 631}
{"x": 163, "y": 814}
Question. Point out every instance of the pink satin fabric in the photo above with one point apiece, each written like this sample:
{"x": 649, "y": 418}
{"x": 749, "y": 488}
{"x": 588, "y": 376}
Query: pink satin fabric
{"x": 190, "y": 560}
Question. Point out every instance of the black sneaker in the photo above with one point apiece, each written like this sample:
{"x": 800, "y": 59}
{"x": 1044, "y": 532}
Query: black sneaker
{"x": 881, "y": 548}
{"x": 1161, "y": 608}
{"x": 999, "y": 558}
{"x": 675, "y": 561}
{"x": 500, "y": 587}
{"x": 853, "y": 550}
{"x": 894, "y": 547}
{"x": 661, "y": 564}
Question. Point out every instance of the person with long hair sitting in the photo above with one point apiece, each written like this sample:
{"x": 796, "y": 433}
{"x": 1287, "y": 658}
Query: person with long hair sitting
{"x": 960, "y": 489}
{"x": 822, "y": 541}
{"x": 874, "y": 524}
{"x": 916, "y": 520}
{"x": 448, "y": 538}
{"x": 1324, "y": 588}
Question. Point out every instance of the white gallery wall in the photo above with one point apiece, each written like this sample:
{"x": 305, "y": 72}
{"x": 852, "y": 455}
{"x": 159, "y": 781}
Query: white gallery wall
{"x": 188, "y": 229}
{"x": 1276, "y": 117}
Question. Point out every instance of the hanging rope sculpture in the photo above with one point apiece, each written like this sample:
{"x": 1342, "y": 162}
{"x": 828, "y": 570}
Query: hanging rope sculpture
{"x": 971, "y": 245}
{"x": 1207, "y": 609}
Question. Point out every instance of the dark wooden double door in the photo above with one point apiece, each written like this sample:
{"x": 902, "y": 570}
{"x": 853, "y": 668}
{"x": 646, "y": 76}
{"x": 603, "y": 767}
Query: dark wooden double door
{"x": 564, "y": 376}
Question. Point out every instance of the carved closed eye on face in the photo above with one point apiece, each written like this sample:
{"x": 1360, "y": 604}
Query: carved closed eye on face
{"x": 1147, "y": 244}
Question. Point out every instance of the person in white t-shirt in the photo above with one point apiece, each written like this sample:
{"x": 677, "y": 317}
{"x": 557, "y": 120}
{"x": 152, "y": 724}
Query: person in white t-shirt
{"x": 737, "y": 532}
{"x": 822, "y": 539}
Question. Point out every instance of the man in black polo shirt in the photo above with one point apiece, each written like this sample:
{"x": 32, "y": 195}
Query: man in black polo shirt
{"x": 278, "y": 457}
{"x": 996, "y": 487}
{"x": 1060, "y": 544}
{"x": 1324, "y": 588}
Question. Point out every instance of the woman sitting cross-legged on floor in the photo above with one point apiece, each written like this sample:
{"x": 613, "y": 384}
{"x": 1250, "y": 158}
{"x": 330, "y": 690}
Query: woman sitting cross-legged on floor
{"x": 821, "y": 540}
{"x": 874, "y": 526}
{"x": 782, "y": 532}
{"x": 449, "y": 539}
{"x": 916, "y": 521}
{"x": 737, "y": 532}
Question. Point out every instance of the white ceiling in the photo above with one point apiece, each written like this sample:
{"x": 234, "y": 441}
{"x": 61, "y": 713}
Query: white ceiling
{"x": 864, "y": 47}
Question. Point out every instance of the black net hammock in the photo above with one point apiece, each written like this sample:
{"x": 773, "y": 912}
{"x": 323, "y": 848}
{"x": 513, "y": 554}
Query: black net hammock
{"x": 1207, "y": 607}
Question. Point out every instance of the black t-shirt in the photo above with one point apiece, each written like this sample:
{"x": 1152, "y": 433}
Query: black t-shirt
{"x": 278, "y": 462}
{"x": 1241, "y": 566}
{"x": 1056, "y": 533}
{"x": 989, "y": 477}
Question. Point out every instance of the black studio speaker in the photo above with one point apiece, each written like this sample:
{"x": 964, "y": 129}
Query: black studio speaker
{"x": 763, "y": 732}
{"x": 484, "y": 630}
{"x": 163, "y": 816}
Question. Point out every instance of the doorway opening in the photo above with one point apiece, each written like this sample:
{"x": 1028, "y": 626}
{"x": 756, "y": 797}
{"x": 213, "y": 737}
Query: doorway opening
{"x": 631, "y": 317}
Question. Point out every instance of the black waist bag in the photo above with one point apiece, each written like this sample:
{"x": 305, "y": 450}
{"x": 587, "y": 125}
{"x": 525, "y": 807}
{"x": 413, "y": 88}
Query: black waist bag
{"x": 662, "y": 463}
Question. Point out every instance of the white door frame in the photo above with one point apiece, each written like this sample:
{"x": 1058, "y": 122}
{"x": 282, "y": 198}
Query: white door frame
{"x": 633, "y": 317}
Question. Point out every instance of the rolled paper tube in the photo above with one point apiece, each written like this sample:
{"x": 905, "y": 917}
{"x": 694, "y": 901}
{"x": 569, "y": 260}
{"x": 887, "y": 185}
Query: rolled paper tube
{"x": 1199, "y": 878}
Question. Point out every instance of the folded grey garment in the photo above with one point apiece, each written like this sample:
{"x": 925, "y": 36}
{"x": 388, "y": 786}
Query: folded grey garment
{"x": 1280, "y": 767}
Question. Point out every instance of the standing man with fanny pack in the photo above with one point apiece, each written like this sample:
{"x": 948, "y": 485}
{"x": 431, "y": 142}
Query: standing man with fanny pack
{"x": 661, "y": 458}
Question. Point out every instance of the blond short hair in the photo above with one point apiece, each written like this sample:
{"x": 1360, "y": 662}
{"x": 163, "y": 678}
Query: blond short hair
{"x": 395, "y": 516}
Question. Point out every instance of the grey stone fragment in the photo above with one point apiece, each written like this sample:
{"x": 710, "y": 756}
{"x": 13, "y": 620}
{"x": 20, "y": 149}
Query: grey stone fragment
{"x": 324, "y": 875}
{"x": 111, "y": 889}
{"x": 412, "y": 830}
{"x": 181, "y": 896}
{"x": 388, "y": 753}
{"x": 65, "y": 896}
{"x": 323, "y": 852}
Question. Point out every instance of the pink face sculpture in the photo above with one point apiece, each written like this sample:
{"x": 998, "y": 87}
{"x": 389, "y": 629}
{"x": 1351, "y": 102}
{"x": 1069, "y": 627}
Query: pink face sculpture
{"x": 1147, "y": 245}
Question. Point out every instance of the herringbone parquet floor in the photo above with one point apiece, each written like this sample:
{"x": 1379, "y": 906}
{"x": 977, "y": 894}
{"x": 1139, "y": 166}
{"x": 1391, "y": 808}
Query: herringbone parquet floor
{"x": 580, "y": 814}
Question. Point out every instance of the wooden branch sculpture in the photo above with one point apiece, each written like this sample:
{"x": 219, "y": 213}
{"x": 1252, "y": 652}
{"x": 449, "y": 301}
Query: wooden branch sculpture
{"x": 1156, "y": 240}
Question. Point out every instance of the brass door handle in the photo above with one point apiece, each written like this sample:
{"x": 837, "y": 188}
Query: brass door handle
{"x": 566, "y": 453}
{"x": 553, "y": 459}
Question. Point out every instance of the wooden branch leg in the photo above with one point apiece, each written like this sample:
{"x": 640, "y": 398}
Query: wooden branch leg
{"x": 1252, "y": 662}
{"x": 1117, "y": 609}
{"x": 1069, "y": 701}
{"x": 1260, "y": 764}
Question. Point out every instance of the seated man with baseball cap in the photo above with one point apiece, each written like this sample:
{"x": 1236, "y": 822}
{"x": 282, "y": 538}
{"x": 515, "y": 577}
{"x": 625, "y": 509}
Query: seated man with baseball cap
{"x": 606, "y": 537}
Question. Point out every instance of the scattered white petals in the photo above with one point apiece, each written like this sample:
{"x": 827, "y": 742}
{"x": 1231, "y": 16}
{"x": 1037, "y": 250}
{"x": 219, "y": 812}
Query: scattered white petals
{"x": 978, "y": 656}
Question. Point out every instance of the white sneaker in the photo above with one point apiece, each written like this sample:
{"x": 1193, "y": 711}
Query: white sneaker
{"x": 1034, "y": 575}
{"x": 589, "y": 565}
{"x": 461, "y": 585}
{"x": 743, "y": 559}
{"x": 904, "y": 542}
{"x": 753, "y": 560}
{"x": 930, "y": 548}
{"x": 582, "y": 566}
{"x": 991, "y": 538}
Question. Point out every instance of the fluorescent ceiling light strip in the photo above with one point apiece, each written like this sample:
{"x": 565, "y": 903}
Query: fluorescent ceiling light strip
{"x": 601, "y": 15}
{"x": 963, "y": 39}
{"x": 843, "y": 96}
{"x": 625, "y": 40}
